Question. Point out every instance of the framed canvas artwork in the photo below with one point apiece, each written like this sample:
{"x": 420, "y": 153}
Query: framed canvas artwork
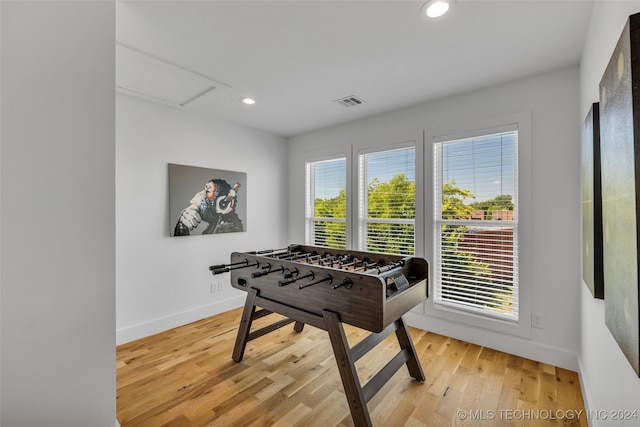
{"x": 206, "y": 201}
{"x": 592, "y": 268}
{"x": 620, "y": 155}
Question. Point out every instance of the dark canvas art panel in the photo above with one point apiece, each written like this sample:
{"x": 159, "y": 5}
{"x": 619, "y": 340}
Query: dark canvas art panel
{"x": 620, "y": 155}
{"x": 592, "y": 268}
{"x": 206, "y": 201}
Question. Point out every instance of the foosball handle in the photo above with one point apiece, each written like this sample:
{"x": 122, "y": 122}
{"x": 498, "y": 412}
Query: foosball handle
{"x": 219, "y": 270}
{"x": 235, "y": 266}
{"x": 265, "y": 270}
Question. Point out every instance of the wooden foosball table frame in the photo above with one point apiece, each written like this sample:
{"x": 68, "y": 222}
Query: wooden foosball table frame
{"x": 372, "y": 295}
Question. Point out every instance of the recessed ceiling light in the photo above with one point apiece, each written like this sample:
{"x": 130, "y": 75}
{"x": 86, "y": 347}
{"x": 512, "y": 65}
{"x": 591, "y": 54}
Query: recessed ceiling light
{"x": 436, "y": 8}
{"x": 248, "y": 101}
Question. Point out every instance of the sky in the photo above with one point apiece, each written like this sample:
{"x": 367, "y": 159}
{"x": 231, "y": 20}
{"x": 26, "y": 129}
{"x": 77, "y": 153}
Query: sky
{"x": 330, "y": 176}
{"x": 484, "y": 165}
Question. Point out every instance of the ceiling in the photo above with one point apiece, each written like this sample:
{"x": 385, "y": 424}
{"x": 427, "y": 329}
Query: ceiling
{"x": 297, "y": 57}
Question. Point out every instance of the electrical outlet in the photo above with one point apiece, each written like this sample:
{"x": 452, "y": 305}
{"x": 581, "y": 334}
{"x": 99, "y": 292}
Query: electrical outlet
{"x": 217, "y": 287}
{"x": 537, "y": 320}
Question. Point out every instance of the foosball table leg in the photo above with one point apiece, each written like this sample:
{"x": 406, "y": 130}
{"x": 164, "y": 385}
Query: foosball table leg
{"x": 249, "y": 314}
{"x": 346, "y": 366}
{"x": 405, "y": 341}
{"x": 245, "y": 325}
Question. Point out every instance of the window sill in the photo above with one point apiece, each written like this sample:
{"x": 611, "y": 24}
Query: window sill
{"x": 518, "y": 328}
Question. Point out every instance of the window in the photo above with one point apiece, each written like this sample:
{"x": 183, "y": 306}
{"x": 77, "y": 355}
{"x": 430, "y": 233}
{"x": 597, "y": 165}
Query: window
{"x": 476, "y": 224}
{"x": 387, "y": 202}
{"x": 326, "y": 203}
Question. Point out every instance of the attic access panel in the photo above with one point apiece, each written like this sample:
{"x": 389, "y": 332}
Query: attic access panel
{"x": 150, "y": 77}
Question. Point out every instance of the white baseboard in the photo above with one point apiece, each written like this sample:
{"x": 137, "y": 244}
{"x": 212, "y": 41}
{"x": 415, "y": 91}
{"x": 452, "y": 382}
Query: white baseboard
{"x": 586, "y": 396}
{"x": 506, "y": 343}
{"x": 145, "y": 329}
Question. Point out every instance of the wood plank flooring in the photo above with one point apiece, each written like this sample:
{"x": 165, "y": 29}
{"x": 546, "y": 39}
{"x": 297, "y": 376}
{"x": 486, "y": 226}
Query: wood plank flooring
{"x": 185, "y": 377}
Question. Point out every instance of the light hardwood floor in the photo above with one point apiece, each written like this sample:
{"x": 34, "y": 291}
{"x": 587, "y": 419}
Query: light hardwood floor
{"x": 185, "y": 377}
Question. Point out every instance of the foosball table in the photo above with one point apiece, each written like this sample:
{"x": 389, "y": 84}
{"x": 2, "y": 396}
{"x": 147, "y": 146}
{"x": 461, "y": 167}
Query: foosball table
{"x": 325, "y": 288}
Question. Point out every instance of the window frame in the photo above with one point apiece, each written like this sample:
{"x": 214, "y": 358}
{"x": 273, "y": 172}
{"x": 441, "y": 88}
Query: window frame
{"x": 385, "y": 143}
{"x": 362, "y": 186}
{"x": 522, "y": 123}
{"x": 307, "y": 204}
{"x": 439, "y": 221}
{"x": 351, "y": 152}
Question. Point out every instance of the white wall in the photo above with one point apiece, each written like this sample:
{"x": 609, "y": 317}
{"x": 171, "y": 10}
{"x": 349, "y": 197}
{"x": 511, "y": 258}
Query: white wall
{"x": 552, "y": 253}
{"x": 162, "y": 281}
{"x": 609, "y": 382}
{"x": 57, "y": 250}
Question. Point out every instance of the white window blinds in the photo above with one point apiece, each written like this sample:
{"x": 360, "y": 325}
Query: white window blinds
{"x": 326, "y": 203}
{"x": 476, "y": 224}
{"x": 386, "y": 209}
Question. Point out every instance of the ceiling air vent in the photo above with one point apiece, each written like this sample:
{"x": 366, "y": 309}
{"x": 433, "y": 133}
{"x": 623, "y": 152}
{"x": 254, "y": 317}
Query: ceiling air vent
{"x": 349, "y": 101}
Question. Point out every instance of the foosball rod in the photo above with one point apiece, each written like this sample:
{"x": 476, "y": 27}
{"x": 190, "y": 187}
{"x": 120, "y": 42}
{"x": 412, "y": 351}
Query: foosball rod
{"x": 295, "y": 278}
{"x": 313, "y": 258}
{"x": 347, "y": 283}
{"x": 354, "y": 262}
{"x": 327, "y": 278}
{"x": 390, "y": 266}
{"x": 266, "y": 272}
{"x": 303, "y": 256}
{"x": 287, "y": 255}
{"x": 335, "y": 259}
{"x": 266, "y": 252}
{"x": 327, "y": 259}
{"x": 366, "y": 266}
